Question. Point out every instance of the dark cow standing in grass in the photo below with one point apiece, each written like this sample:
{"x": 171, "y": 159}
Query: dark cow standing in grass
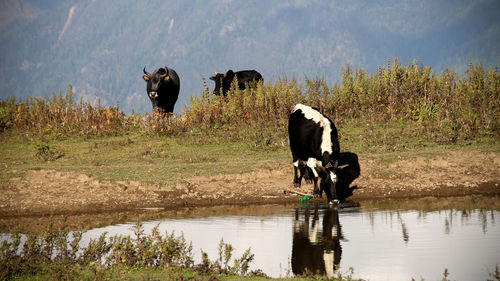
{"x": 244, "y": 77}
{"x": 315, "y": 145}
{"x": 163, "y": 88}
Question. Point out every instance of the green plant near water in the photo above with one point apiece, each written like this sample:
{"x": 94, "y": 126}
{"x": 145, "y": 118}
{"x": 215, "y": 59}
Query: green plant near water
{"x": 59, "y": 254}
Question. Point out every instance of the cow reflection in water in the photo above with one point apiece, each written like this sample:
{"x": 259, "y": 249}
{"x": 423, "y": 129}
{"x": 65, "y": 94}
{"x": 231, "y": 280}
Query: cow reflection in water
{"x": 313, "y": 251}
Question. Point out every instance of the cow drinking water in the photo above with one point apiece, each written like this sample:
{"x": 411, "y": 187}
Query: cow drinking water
{"x": 163, "y": 88}
{"x": 314, "y": 144}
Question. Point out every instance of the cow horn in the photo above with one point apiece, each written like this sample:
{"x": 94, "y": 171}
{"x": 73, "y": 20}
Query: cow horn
{"x": 215, "y": 72}
{"x": 145, "y": 72}
{"x": 166, "y": 72}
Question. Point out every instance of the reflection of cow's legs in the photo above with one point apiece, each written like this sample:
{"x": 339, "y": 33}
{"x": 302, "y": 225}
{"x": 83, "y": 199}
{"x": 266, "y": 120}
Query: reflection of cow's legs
{"x": 314, "y": 251}
{"x": 329, "y": 265}
{"x": 332, "y": 250}
{"x": 313, "y": 232}
{"x": 306, "y": 254}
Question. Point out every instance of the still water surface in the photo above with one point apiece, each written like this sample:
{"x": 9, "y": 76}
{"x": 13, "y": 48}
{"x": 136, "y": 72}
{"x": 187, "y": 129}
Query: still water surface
{"x": 378, "y": 244}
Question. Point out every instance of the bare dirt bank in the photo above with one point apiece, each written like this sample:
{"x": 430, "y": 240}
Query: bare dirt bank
{"x": 49, "y": 192}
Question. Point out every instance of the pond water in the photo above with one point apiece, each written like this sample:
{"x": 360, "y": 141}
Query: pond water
{"x": 378, "y": 244}
{"x": 389, "y": 243}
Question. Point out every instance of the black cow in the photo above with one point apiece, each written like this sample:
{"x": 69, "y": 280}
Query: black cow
{"x": 314, "y": 144}
{"x": 163, "y": 88}
{"x": 348, "y": 170}
{"x": 244, "y": 77}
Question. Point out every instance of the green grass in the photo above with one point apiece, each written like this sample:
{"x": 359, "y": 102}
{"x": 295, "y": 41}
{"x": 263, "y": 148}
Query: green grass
{"x": 167, "y": 160}
{"x": 147, "y": 159}
{"x": 93, "y": 272}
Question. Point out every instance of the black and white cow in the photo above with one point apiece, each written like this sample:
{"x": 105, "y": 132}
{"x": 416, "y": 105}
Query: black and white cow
{"x": 223, "y": 80}
{"x": 315, "y": 145}
{"x": 163, "y": 88}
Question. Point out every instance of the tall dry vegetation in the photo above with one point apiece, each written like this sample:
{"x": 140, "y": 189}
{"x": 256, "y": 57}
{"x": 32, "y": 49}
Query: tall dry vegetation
{"x": 443, "y": 108}
{"x": 446, "y": 106}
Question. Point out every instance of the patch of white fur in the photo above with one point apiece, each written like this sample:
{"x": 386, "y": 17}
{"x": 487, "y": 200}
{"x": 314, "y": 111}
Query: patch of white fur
{"x": 333, "y": 176}
{"x": 313, "y": 163}
{"x": 335, "y": 232}
{"x": 316, "y": 116}
{"x": 328, "y": 257}
{"x": 313, "y": 232}
{"x": 296, "y": 164}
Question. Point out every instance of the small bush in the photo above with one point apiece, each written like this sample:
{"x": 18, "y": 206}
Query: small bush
{"x": 45, "y": 152}
{"x": 57, "y": 254}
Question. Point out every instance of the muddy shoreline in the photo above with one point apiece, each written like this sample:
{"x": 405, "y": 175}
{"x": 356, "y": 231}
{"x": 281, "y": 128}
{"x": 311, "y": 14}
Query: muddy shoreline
{"x": 50, "y": 192}
{"x": 170, "y": 201}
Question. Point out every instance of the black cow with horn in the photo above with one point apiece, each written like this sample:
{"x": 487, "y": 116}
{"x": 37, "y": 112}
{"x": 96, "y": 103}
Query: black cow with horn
{"x": 163, "y": 88}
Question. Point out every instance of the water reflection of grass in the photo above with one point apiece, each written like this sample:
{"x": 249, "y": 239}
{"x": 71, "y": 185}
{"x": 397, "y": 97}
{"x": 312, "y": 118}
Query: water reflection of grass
{"x": 82, "y": 222}
{"x": 38, "y": 224}
{"x": 435, "y": 203}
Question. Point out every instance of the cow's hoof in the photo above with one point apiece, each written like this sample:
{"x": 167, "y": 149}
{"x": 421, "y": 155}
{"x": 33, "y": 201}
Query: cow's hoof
{"x": 296, "y": 184}
{"x": 334, "y": 202}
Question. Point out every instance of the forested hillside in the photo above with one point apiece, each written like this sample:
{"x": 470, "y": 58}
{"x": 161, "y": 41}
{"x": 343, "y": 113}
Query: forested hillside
{"x": 100, "y": 47}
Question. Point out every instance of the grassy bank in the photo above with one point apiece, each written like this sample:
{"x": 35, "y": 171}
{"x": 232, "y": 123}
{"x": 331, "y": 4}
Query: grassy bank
{"x": 399, "y": 112}
{"x": 159, "y": 160}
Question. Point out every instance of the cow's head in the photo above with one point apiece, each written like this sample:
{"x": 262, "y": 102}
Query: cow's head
{"x": 222, "y": 82}
{"x": 329, "y": 179}
{"x": 154, "y": 82}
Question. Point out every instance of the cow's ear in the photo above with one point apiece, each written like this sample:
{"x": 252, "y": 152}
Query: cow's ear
{"x": 212, "y": 78}
{"x": 167, "y": 78}
{"x": 146, "y": 78}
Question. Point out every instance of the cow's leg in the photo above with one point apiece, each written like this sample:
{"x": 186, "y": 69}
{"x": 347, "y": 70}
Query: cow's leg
{"x": 311, "y": 163}
{"x": 296, "y": 179}
{"x": 308, "y": 175}
{"x": 332, "y": 198}
{"x": 317, "y": 191}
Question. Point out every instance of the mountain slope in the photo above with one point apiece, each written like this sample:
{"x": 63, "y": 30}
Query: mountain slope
{"x": 100, "y": 47}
